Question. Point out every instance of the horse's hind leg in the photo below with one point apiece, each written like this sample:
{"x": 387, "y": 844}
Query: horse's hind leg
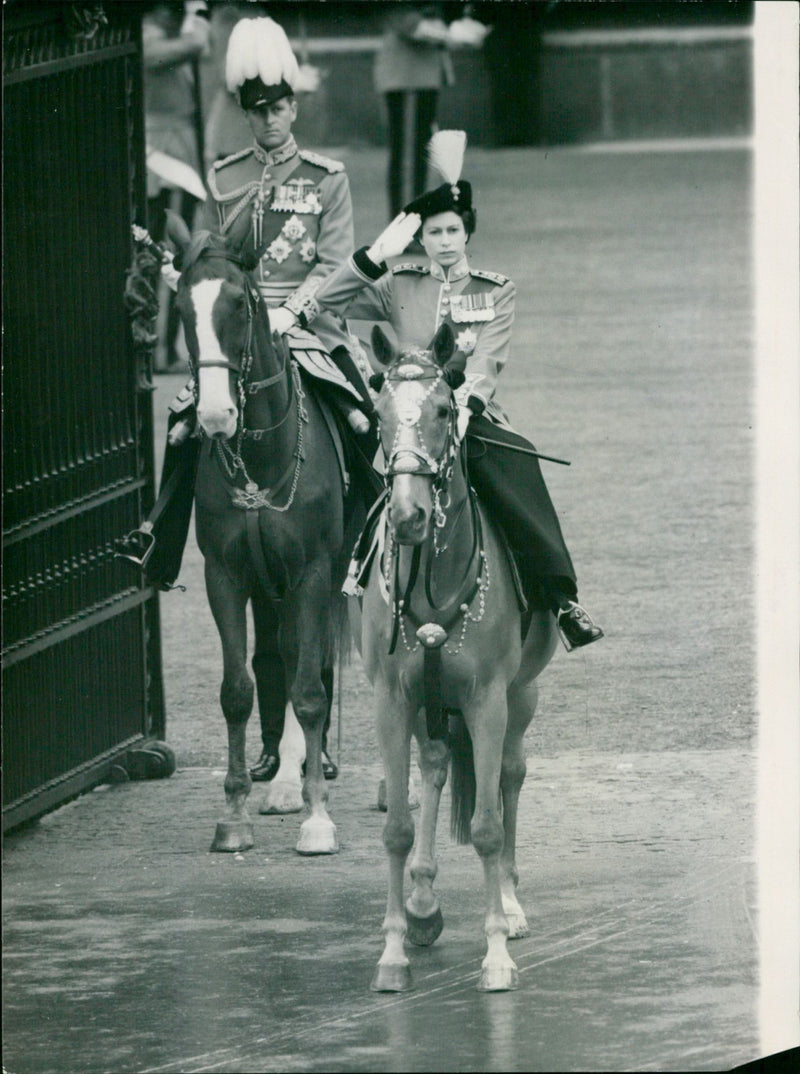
{"x": 423, "y": 914}
{"x": 521, "y": 707}
{"x": 486, "y": 718}
{"x": 228, "y": 606}
{"x": 394, "y": 734}
{"x": 305, "y": 645}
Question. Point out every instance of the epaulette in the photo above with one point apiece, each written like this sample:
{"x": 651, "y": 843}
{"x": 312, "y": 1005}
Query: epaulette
{"x": 410, "y": 266}
{"x": 231, "y": 159}
{"x": 327, "y": 163}
{"x": 495, "y": 277}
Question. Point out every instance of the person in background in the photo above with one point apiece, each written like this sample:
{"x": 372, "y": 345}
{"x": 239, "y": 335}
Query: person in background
{"x": 174, "y": 35}
{"x": 415, "y": 300}
{"x": 411, "y": 66}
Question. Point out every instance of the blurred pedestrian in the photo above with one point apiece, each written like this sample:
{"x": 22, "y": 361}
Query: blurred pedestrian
{"x": 174, "y": 35}
{"x": 411, "y": 66}
{"x": 415, "y": 300}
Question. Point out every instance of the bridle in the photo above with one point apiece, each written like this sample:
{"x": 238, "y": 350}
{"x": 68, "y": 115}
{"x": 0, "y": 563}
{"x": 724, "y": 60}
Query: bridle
{"x": 415, "y": 458}
{"x": 251, "y": 497}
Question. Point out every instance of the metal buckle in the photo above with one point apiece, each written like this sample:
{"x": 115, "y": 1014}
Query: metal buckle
{"x": 138, "y": 545}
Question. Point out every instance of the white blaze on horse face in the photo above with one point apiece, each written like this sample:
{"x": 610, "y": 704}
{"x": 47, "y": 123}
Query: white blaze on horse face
{"x": 408, "y": 399}
{"x": 410, "y": 504}
{"x": 216, "y": 410}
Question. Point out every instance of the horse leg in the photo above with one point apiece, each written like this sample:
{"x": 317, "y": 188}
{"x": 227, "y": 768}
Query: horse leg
{"x": 307, "y": 692}
{"x": 394, "y": 735}
{"x": 285, "y": 792}
{"x": 229, "y": 607}
{"x": 521, "y": 707}
{"x": 423, "y": 914}
{"x": 280, "y": 730}
{"x": 486, "y": 717}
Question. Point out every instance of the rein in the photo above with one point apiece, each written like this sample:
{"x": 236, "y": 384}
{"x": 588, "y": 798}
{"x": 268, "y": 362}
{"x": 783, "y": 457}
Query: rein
{"x": 251, "y": 497}
{"x": 433, "y": 635}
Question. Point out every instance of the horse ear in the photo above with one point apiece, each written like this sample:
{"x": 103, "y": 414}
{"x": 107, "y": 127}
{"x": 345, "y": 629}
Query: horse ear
{"x": 443, "y": 345}
{"x": 382, "y": 348}
{"x": 178, "y": 231}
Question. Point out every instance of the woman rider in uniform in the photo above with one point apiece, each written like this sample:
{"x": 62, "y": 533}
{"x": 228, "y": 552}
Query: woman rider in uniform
{"x": 479, "y": 306}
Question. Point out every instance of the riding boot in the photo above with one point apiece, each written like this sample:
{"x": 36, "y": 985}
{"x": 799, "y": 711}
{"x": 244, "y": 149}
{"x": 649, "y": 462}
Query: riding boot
{"x": 575, "y": 626}
{"x": 171, "y": 528}
{"x": 271, "y": 690}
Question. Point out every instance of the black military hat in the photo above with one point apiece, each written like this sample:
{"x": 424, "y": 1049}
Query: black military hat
{"x": 449, "y": 197}
{"x": 254, "y": 92}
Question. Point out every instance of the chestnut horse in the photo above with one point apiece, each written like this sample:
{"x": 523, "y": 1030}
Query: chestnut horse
{"x": 439, "y": 625}
{"x": 270, "y": 519}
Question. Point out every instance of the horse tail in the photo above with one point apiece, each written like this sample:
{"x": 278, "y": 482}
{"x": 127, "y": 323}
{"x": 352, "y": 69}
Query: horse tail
{"x": 462, "y": 778}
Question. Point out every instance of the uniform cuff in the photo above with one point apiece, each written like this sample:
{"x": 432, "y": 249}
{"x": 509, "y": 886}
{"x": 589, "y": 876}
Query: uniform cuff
{"x": 366, "y": 266}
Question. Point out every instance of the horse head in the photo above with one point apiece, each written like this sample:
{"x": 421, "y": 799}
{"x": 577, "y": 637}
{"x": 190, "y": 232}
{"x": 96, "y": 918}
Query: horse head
{"x": 224, "y": 320}
{"x": 417, "y": 413}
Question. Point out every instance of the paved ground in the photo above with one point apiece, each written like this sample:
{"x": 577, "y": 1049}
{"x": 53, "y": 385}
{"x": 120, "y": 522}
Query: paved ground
{"x": 128, "y": 947}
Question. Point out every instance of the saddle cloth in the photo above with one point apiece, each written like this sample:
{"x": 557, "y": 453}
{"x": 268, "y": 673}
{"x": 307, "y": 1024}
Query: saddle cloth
{"x": 310, "y": 353}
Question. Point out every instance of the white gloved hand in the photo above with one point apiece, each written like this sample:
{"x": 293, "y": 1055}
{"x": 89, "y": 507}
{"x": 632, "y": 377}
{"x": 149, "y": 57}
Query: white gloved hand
{"x": 281, "y": 320}
{"x": 393, "y": 239}
{"x": 462, "y": 421}
{"x": 308, "y": 78}
{"x": 467, "y": 33}
{"x": 169, "y": 273}
{"x": 196, "y": 28}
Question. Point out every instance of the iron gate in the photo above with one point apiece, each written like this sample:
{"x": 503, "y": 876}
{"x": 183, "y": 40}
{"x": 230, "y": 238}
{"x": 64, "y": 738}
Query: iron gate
{"x": 81, "y": 646}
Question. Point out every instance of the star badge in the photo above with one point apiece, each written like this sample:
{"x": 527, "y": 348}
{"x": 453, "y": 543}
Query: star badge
{"x": 466, "y": 340}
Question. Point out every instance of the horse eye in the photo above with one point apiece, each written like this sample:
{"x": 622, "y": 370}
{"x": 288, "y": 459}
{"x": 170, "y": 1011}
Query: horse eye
{"x": 443, "y": 411}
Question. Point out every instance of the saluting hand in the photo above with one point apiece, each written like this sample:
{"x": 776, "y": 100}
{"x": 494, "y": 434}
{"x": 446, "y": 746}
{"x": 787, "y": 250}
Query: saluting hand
{"x": 393, "y": 239}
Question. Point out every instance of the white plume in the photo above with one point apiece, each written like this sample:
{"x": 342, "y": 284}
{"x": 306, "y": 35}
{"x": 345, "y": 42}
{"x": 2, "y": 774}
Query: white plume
{"x": 446, "y": 154}
{"x": 259, "y": 48}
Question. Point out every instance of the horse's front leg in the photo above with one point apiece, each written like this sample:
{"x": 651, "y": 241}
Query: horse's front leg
{"x": 486, "y": 718}
{"x": 423, "y": 913}
{"x": 228, "y": 606}
{"x": 394, "y": 716}
{"x": 521, "y": 707}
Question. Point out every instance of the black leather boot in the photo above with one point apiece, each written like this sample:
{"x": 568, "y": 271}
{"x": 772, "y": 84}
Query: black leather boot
{"x": 576, "y": 627}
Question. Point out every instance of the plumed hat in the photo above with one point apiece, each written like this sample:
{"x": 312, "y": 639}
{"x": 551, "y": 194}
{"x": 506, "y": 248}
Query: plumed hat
{"x": 445, "y": 155}
{"x": 260, "y": 65}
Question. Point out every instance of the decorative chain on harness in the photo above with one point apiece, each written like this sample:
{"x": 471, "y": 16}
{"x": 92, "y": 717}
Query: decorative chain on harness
{"x": 431, "y": 635}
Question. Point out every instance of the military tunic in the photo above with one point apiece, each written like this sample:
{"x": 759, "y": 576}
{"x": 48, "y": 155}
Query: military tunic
{"x": 298, "y": 204}
{"x": 416, "y": 299}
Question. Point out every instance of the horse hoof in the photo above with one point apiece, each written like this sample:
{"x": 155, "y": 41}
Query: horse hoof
{"x": 392, "y": 979}
{"x": 498, "y": 979}
{"x": 282, "y": 798}
{"x": 232, "y": 836}
{"x": 317, "y": 836}
{"x": 517, "y": 926}
{"x": 423, "y": 931}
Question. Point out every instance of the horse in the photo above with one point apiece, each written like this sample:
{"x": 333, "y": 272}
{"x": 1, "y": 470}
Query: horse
{"x": 439, "y": 623}
{"x": 270, "y": 521}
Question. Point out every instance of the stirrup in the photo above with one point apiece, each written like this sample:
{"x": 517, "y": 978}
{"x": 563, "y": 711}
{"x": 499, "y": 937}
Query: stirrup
{"x": 138, "y": 545}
